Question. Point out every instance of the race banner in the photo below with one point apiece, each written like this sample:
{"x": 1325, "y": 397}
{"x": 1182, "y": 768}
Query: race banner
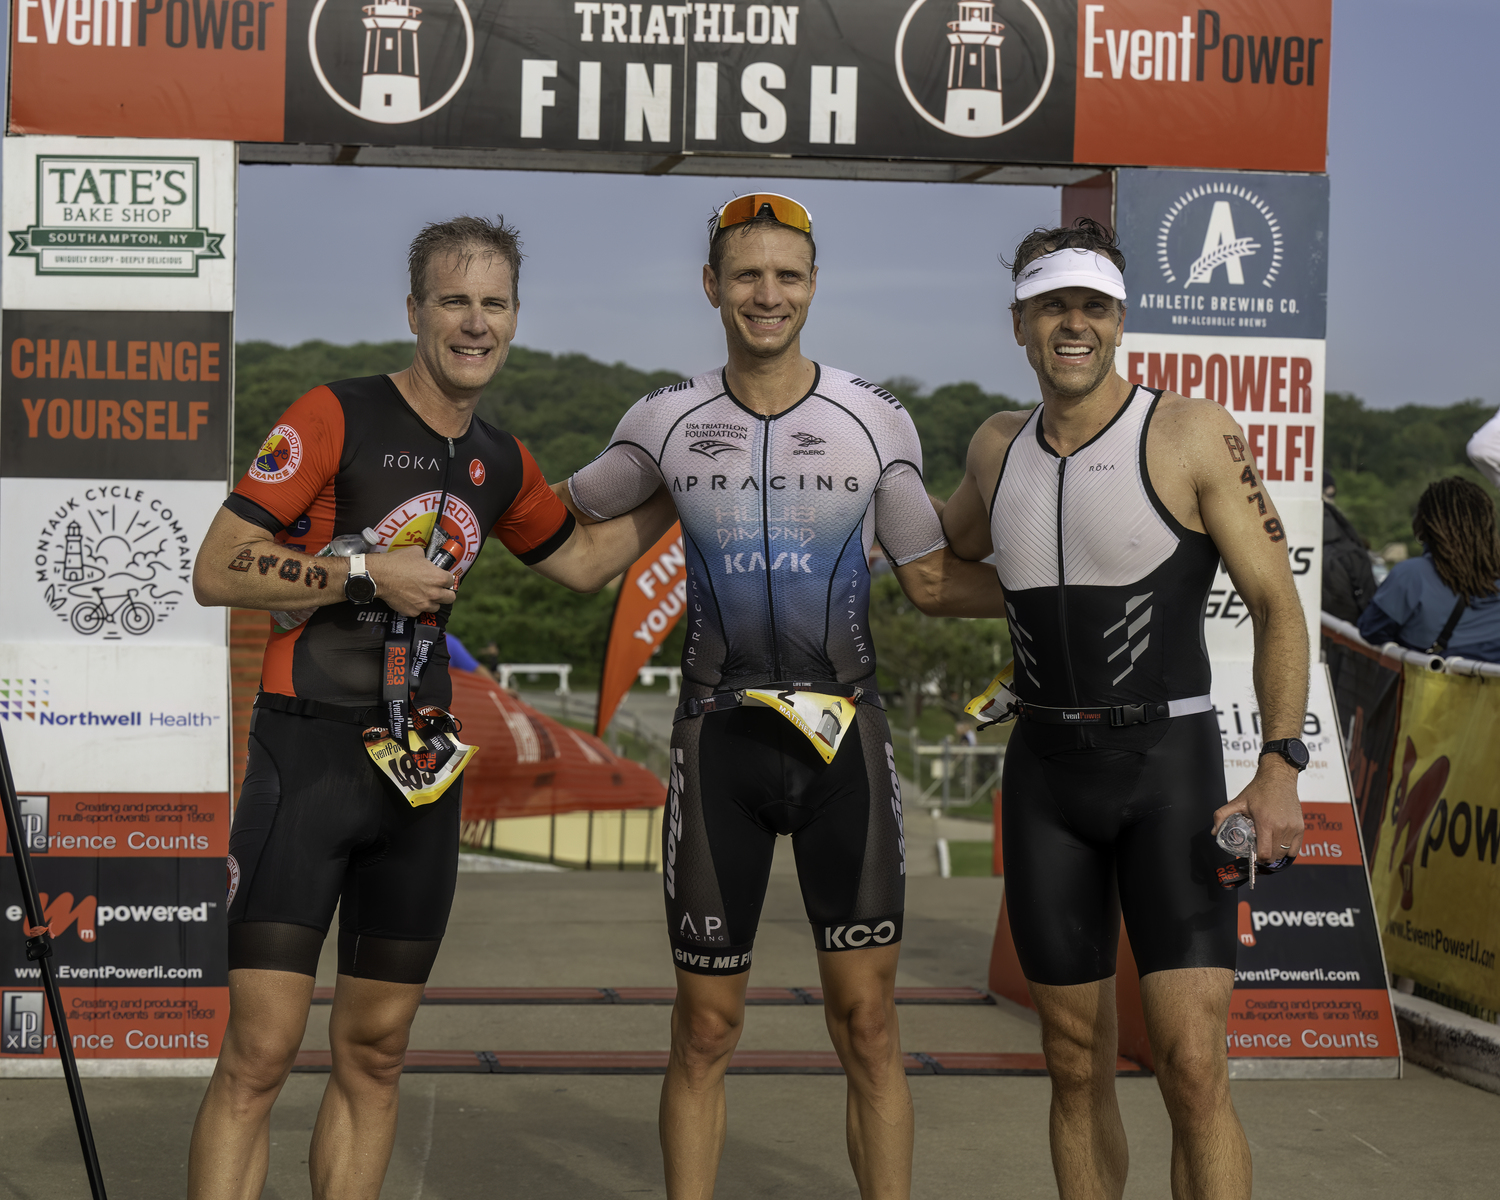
{"x": 132, "y": 889}
{"x": 1228, "y": 281}
{"x": 1436, "y": 867}
{"x": 650, "y": 602}
{"x": 1243, "y": 84}
{"x": 115, "y": 426}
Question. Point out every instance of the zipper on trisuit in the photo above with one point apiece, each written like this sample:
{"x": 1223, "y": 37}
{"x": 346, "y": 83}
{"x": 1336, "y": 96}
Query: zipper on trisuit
{"x": 1062, "y": 592}
{"x": 435, "y": 539}
{"x": 765, "y": 540}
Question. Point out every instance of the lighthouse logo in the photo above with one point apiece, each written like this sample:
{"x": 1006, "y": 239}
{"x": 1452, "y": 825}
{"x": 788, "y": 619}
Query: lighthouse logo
{"x": 113, "y": 566}
{"x": 954, "y": 61}
{"x": 392, "y": 87}
{"x": 1219, "y": 233}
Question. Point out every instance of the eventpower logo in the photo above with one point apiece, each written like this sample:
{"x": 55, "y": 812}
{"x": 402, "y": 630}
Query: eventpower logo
{"x": 116, "y": 215}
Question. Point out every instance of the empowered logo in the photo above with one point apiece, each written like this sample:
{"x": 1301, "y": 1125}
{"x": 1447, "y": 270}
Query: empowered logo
{"x": 1219, "y": 225}
{"x": 391, "y": 64}
{"x": 1252, "y": 921}
{"x": 965, "y": 51}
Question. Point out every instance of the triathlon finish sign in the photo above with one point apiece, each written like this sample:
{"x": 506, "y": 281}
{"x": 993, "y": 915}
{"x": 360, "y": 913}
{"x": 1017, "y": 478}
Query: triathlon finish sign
{"x": 1242, "y": 85}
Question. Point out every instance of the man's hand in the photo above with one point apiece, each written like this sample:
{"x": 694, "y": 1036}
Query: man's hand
{"x": 406, "y": 581}
{"x": 1271, "y": 802}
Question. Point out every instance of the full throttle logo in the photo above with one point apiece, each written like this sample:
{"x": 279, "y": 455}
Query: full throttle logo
{"x": 410, "y": 524}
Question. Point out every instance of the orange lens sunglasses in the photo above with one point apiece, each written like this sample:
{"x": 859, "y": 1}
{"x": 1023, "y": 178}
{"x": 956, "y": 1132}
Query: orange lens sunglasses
{"x": 747, "y": 208}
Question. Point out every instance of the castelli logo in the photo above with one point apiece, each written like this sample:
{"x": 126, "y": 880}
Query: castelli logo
{"x": 476, "y": 472}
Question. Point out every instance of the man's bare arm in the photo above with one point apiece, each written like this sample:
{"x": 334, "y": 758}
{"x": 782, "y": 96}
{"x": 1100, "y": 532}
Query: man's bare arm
{"x": 598, "y": 551}
{"x": 1238, "y": 514}
{"x": 242, "y": 565}
{"x": 966, "y": 516}
{"x": 942, "y": 584}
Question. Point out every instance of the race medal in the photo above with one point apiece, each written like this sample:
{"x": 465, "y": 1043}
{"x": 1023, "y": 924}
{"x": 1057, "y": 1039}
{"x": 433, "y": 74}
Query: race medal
{"x": 997, "y": 702}
{"x": 821, "y": 719}
{"x": 423, "y": 769}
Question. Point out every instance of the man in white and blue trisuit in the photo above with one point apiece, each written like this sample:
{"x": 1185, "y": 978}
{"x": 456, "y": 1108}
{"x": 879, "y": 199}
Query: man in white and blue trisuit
{"x": 784, "y": 472}
{"x": 1107, "y": 509}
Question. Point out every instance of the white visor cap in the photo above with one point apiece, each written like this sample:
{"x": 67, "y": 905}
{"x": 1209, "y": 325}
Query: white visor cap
{"x": 1070, "y": 268}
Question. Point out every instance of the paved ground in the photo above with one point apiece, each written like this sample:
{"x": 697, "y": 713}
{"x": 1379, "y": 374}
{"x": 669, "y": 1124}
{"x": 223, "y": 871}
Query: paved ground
{"x": 549, "y": 1137}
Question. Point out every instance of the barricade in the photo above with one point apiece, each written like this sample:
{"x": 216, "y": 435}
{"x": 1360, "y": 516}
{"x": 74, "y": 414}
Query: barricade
{"x": 1423, "y": 737}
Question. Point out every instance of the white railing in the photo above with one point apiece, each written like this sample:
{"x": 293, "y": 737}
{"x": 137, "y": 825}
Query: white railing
{"x": 673, "y": 676}
{"x": 561, "y": 670}
{"x": 1454, "y": 664}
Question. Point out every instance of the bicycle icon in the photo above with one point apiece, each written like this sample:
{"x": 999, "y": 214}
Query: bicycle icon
{"x": 91, "y": 616}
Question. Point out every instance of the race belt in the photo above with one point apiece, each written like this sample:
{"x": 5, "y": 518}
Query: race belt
{"x": 998, "y": 704}
{"x": 822, "y": 717}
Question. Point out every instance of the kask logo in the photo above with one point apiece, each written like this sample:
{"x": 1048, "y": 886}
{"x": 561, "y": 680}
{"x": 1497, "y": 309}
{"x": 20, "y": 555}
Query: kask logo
{"x": 1219, "y": 226}
{"x": 975, "y": 51}
{"x": 391, "y": 84}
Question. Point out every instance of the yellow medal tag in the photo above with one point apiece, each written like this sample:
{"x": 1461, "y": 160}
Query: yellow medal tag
{"x": 997, "y": 702}
{"x": 420, "y": 772}
{"x": 821, "y": 719}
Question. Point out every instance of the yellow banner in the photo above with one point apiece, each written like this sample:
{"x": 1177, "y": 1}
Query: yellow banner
{"x": 1436, "y": 869}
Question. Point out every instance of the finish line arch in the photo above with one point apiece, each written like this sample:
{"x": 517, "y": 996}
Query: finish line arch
{"x": 1200, "y": 133}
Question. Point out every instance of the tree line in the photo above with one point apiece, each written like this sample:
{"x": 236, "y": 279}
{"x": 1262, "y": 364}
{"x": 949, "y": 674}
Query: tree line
{"x": 565, "y": 406}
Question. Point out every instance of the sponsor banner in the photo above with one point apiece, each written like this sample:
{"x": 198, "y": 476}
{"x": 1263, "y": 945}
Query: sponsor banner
{"x": 116, "y": 394}
{"x": 1367, "y": 691}
{"x": 1325, "y": 781}
{"x": 650, "y": 602}
{"x": 125, "y": 824}
{"x": 115, "y": 1022}
{"x": 120, "y": 224}
{"x": 1243, "y": 85}
{"x": 107, "y": 560}
{"x": 1231, "y": 254}
{"x": 1312, "y": 1023}
{"x": 1311, "y": 924}
{"x": 1436, "y": 867}
{"x": 115, "y": 922}
{"x": 115, "y": 716}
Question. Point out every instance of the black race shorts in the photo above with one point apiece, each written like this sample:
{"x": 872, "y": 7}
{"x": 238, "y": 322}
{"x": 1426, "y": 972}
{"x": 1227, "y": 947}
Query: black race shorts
{"x": 318, "y": 827}
{"x": 1092, "y": 829}
{"x": 740, "y": 778}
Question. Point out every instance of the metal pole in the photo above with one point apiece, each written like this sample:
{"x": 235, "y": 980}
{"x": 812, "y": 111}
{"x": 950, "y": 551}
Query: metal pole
{"x": 947, "y": 768}
{"x": 39, "y": 951}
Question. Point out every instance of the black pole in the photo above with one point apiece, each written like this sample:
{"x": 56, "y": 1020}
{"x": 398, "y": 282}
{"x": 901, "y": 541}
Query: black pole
{"x": 39, "y": 951}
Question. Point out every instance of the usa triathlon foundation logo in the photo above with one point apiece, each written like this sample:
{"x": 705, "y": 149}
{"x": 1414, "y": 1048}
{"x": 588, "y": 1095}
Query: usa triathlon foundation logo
{"x": 1219, "y": 233}
{"x": 391, "y": 83}
{"x": 974, "y": 58}
{"x": 116, "y": 215}
{"x": 113, "y": 561}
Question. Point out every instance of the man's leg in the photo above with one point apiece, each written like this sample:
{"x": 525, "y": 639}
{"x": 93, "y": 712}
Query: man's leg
{"x": 351, "y": 1142}
{"x": 1187, "y": 1013}
{"x": 232, "y": 1136}
{"x": 1080, "y": 1037}
{"x": 859, "y": 1004}
{"x": 706, "y": 1023}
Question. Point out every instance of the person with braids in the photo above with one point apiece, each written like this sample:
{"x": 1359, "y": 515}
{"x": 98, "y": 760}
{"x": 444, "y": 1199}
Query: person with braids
{"x": 1448, "y": 601}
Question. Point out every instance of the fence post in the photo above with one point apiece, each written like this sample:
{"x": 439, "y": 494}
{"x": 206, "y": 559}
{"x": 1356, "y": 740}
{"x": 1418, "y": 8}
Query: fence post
{"x": 947, "y": 769}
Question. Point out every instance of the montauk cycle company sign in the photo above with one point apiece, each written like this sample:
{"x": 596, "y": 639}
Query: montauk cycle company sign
{"x": 116, "y": 215}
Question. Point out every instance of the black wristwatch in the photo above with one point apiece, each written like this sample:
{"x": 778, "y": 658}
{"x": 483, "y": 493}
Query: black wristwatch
{"x": 359, "y": 588}
{"x": 1294, "y": 750}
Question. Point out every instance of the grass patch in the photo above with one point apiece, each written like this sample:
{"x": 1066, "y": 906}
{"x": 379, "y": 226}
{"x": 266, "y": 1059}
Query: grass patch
{"x": 972, "y": 858}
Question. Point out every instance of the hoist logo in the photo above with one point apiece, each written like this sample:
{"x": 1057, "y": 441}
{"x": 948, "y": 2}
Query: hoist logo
{"x": 391, "y": 80}
{"x": 970, "y": 68}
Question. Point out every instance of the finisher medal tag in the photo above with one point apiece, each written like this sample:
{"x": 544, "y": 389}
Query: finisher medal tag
{"x": 432, "y": 758}
{"x": 821, "y": 719}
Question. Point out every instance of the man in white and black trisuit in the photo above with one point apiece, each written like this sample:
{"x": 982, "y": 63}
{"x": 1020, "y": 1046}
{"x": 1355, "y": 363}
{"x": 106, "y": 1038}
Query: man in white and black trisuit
{"x": 1107, "y": 508}
{"x": 356, "y": 651}
{"x": 783, "y": 471}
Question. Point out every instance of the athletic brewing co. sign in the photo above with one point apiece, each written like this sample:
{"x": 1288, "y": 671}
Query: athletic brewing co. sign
{"x": 1241, "y": 85}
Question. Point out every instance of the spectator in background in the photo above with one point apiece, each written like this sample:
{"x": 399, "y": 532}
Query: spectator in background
{"x": 460, "y": 659}
{"x": 1448, "y": 600}
{"x": 1348, "y": 573}
{"x": 1484, "y": 449}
